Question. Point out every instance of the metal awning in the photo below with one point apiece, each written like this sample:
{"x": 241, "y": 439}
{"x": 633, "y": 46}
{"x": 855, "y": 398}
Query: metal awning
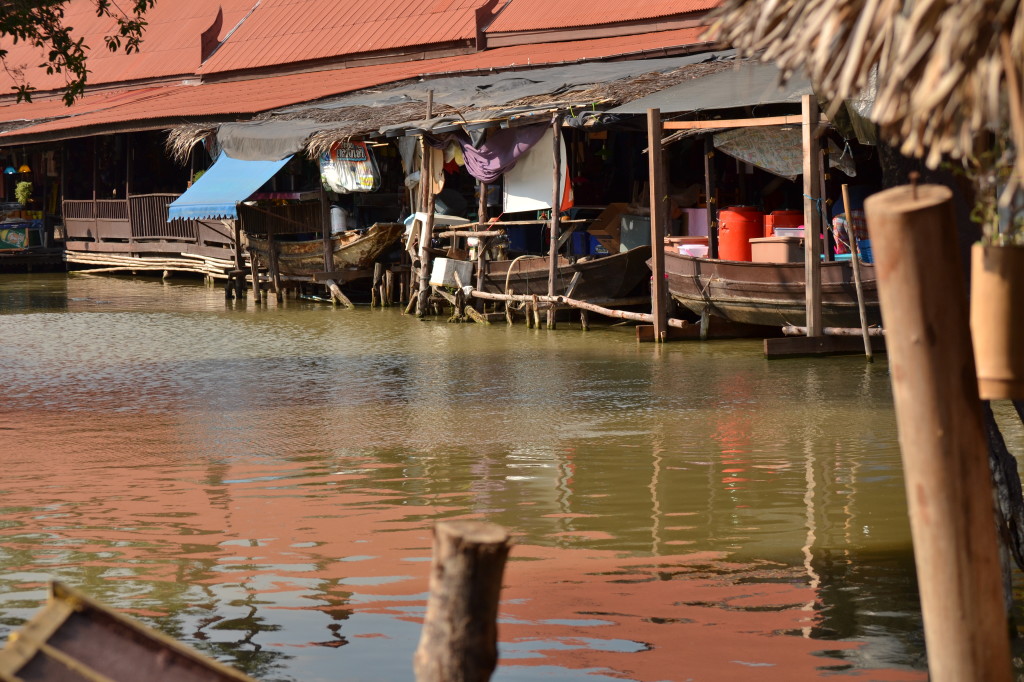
{"x": 217, "y": 193}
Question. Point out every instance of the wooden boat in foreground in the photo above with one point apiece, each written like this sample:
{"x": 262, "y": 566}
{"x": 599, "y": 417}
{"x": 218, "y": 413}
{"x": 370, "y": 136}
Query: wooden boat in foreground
{"x": 771, "y": 294}
{"x": 76, "y": 638}
{"x": 600, "y": 279}
{"x": 351, "y": 249}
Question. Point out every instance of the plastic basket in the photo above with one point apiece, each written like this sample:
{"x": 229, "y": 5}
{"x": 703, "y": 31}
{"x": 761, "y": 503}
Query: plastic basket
{"x": 864, "y": 247}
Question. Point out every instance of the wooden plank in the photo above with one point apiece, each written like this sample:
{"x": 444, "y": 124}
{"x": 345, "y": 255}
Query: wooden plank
{"x": 659, "y": 216}
{"x": 812, "y": 215}
{"x": 795, "y": 346}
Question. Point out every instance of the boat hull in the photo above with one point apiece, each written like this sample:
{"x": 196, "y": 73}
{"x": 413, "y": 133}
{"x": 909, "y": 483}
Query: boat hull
{"x": 606, "y": 278}
{"x": 772, "y": 294}
{"x": 349, "y": 250}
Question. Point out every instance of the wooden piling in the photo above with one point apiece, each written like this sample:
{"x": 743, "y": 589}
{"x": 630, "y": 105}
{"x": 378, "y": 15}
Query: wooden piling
{"x": 459, "y": 642}
{"x": 427, "y": 225}
{"x": 812, "y": 214}
{"x": 659, "y": 216}
{"x": 941, "y": 431}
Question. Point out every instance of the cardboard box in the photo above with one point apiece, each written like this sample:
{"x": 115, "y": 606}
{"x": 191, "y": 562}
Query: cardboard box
{"x": 777, "y": 250}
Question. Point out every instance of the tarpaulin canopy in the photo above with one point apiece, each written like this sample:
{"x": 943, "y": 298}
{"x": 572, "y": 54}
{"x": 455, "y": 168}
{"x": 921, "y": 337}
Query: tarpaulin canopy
{"x": 748, "y": 84}
{"x": 217, "y": 192}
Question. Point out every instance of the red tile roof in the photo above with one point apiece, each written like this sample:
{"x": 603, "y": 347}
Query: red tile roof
{"x": 530, "y": 15}
{"x": 244, "y": 97}
{"x": 170, "y": 46}
{"x": 288, "y": 31}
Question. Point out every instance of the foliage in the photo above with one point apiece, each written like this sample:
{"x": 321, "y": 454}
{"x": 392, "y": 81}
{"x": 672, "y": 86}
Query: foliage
{"x": 998, "y": 206}
{"x": 23, "y": 191}
{"x": 198, "y": 174}
{"x": 41, "y": 23}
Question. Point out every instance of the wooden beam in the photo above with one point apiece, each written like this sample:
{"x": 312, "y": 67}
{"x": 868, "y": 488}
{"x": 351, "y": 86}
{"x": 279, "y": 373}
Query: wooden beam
{"x": 659, "y": 216}
{"x": 797, "y": 346}
{"x": 812, "y": 216}
{"x": 732, "y": 123}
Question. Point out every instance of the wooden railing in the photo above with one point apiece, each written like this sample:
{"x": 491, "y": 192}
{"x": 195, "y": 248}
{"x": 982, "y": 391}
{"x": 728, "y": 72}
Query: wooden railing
{"x": 139, "y": 225}
{"x": 148, "y": 214}
{"x": 290, "y": 219}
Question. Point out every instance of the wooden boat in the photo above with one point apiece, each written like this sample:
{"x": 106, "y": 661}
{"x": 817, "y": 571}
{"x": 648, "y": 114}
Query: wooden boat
{"x": 77, "y": 638}
{"x": 351, "y": 249}
{"x": 770, "y": 294}
{"x": 604, "y": 278}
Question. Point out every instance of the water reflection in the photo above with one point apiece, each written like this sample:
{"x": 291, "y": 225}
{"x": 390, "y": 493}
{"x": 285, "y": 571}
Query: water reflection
{"x": 260, "y": 483}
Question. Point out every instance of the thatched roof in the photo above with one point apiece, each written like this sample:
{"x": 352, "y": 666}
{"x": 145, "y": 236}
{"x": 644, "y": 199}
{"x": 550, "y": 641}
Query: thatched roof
{"x": 948, "y": 71}
{"x": 181, "y": 139}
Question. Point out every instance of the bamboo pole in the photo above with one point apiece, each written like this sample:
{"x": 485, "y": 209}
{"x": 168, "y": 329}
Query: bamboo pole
{"x": 855, "y": 260}
{"x": 459, "y": 642}
{"x": 556, "y": 203}
{"x": 923, "y": 298}
{"x": 427, "y": 225}
{"x": 812, "y": 215}
{"x": 659, "y": 215}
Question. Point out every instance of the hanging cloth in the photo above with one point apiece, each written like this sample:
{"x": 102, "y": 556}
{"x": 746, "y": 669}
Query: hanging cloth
{"x": 490, "y": 160}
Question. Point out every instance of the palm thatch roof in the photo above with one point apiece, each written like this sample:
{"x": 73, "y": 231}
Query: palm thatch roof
{"x": 948, "y": 71}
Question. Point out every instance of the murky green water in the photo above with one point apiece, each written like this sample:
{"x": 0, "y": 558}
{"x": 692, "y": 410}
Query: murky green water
{"x": 261, "y": 483}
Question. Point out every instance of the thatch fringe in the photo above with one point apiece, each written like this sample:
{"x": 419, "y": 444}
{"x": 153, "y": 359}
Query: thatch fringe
{"x": 948, "y": 71}
{"x": 181, "y": 139}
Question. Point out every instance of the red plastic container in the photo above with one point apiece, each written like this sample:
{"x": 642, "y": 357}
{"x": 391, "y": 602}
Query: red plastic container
{"x": 782, "y": 219}
{"x": 737, "y": 225}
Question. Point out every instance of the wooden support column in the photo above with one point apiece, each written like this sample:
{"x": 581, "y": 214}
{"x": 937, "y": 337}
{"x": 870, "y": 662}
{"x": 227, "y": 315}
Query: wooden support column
{"x": 812, "y": 214}
{"x": 710, "y": 190}
{"x": 659, "y": 216}
{"x": 459, "y": 642}
{"x": 325, "y": 228}
{"x": 275, "y": 274}
{"x": 482, "y": 242}
{"x": 239, "y": 273}
{"x": 427, "y": 224}
{"x": 942, "y": 436}
{"x": 556, "y": 204}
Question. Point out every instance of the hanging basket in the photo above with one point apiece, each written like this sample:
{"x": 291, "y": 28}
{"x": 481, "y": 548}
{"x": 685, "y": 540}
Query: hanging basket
{"x": 997, "y": 320}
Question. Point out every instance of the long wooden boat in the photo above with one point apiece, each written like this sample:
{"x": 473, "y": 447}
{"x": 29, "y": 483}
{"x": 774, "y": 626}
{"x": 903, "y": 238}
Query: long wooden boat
{"x": 604, "y": 278}
{"x": 770, "y": 294}
{"x": 351, "y": 249}
{"x": 76, "y": 638}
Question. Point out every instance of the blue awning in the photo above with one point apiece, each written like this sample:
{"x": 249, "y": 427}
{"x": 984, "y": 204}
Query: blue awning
{"x": 216, "y": 193}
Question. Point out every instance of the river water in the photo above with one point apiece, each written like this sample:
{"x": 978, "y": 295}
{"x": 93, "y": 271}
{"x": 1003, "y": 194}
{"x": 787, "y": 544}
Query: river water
{"x": 260, "y": 482}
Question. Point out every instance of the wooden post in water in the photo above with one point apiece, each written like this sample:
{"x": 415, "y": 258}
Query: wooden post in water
{"x": 812, "y": 215}
{"x": 427, "y": 224}
{"x": 659, "y": 215}
{"x": 941, "y": 431}
{"x": 855, "y": 263}
{"x": 556, "y": 203}
{"x": 459, "y": 642}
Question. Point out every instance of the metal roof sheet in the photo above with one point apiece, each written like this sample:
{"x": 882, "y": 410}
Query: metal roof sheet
{"x": 288, "y": 31}
{"x": 171, "y": 45}
{"x": 531, "y": 15}
{"x": 180, "y": 103}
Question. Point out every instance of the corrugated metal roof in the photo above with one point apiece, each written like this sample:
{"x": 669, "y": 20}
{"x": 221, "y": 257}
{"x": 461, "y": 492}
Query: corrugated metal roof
{"x": 532, "y": 15}
{"x": 171, "y": 45}
{"x": 245, "y": 97}
{"x": 288, "y": 31}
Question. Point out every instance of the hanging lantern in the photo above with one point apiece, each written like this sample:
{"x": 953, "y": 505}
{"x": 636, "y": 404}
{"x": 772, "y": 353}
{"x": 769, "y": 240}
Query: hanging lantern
{"x": 24, "y": 169}
{"x": 10, "y": 170}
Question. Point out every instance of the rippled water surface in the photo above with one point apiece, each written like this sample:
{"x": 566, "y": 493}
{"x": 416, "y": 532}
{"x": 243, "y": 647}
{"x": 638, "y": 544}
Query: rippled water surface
{"x": 261, "y": 483}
